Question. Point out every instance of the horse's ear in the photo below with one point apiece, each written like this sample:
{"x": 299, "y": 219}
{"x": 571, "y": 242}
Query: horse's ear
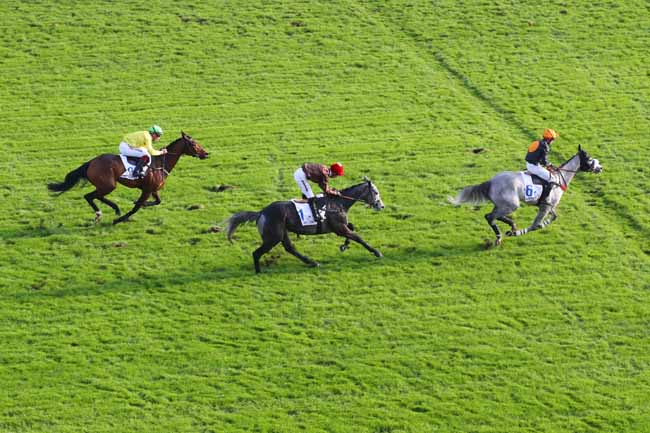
{"x": 366, "y": 178}
{"x": 579, "y": 148}
{"x": 183, "y": 134}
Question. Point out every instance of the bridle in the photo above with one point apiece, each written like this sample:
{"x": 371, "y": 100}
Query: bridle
{"x": 187, "y": 142}
{"x": 561, "y": 168}
{"x": 369, "y": 186}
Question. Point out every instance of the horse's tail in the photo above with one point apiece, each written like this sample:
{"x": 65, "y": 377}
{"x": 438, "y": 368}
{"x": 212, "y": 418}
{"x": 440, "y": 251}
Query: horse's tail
{"x": 71, "y": 179}
{"x": 239, "y": 218}
{"x": 474, "y": 194}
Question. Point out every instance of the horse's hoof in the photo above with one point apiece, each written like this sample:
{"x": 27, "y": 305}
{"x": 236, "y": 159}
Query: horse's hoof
{"x": 510, "y": 233}
{"x": 314, "y": 265}
{"x": 378, "y": 254}
{"x": 497, "y": 242}
{"x": 343, "y": 247}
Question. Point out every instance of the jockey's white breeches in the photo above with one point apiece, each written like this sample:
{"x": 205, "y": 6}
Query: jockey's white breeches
{"x": 138, "y": 152}
{"x": 303, "y": 183}
{"x": 539, "y": 171}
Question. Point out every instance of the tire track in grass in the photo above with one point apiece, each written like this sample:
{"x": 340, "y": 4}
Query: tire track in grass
{"x": 609, "y": 206}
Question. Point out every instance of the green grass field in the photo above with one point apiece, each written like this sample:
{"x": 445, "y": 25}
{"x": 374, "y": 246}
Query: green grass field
{"x": 158, "y": 325}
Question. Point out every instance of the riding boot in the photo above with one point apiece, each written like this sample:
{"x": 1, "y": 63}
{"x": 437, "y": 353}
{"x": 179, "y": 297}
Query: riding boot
{"x": 138, "y": 172}
{"x": 545, "y": 192}
{"x": 314, "y": 210}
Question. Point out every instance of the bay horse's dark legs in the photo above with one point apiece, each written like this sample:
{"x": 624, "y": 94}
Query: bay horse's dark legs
{"x": 90, "y": 198}
{"x": 138, "y": 204}
{"x": 156, "y": 200}
{"x": 345, "y": 232}
{"x": 104, "y": 200}
{"x": 288, "y": 246}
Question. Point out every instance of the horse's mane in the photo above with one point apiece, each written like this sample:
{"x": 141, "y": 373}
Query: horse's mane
{"x": 353, "y": 186}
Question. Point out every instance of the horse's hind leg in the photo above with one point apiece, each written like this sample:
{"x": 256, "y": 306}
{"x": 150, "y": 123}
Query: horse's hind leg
{"x": 288, "y": 246}
{"x": 271, "y": 236}
{"x": 111, "y": 204}
{"x": 258, "y": 253}
{"x": 90, "y": 198}
{"x": 490, "y": 217}
{"x": 510, "y": 222}
{"x": 501, "y": 214}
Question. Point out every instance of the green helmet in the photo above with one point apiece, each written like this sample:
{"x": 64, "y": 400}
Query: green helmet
{"x": 156, "y": 130}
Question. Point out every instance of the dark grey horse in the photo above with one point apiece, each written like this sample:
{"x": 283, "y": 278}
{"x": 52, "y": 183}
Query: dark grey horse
{"x": 506, "y": 191}
{"x": 275, "y": 221}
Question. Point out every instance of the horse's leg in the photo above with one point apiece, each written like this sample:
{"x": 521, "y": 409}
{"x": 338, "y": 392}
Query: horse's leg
{"x": 90, "y": 198}
{"x": 138, "y": 204}
{"x": 490, "y": 217}
{"x": 550, "y": 220}
{"x": 346, "y": 244}
{"x": 510, "y": 222}
{"x": 111, "y": 204}
{"x": 500, "y": 212}
{"x": 156, "y": 200}
{"x": 288, "y": 246}
{"x": 271, "y": 236}
{"x": 538, "y": 222}
{"x": 345, "y": 232}
{"x": 265, "y": 248}
{"x": 104, "y": 183}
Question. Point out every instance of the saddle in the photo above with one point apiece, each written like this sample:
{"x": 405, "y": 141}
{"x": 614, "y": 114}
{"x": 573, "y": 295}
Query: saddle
{"x": 133, "y": 160}
{"x": 536, "y": 179}
{"x": 129, "y": 163}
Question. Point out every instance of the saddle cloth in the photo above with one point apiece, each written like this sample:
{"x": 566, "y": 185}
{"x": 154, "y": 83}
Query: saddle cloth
{"x": 532, "y": 191}
{"x": 305, "y": 213}
{"x": 129, "y": 167}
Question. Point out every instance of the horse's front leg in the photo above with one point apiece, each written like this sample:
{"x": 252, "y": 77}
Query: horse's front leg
{"x": 345, "y": 232}
{"x": 138, "y": 204}
{"x": 538, "y": 223}
{"x": 346, "y": 244}
{"x": 156, "y": 201}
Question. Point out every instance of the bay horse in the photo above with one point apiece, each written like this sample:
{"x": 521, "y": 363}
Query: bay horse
{"x": 104, "y": 173}
{"x": 276, "y": 220}
{"x": 506, "y": 191}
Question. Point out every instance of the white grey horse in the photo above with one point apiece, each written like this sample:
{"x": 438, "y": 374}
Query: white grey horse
{"x": 506, "y": 191}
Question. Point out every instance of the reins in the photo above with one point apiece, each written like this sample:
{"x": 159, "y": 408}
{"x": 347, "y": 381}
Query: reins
{"x": 164, "y": 159}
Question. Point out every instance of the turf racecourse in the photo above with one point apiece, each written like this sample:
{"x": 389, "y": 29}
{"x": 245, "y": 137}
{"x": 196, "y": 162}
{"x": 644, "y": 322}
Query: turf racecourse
{"x": 158, "y": 325}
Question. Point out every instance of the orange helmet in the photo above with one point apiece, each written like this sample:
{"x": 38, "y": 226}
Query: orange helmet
{"x": 337, "y": 168}
{"x": 550, "y": 134}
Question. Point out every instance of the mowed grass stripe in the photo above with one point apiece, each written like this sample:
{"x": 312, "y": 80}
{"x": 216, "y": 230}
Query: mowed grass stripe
{"x": 546, "y": 334}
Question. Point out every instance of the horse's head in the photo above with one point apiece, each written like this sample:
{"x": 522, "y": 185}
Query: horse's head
{"x": 587, "y": 163}
{"x": 192, "y": 147}
{"x": 372, "y": 198}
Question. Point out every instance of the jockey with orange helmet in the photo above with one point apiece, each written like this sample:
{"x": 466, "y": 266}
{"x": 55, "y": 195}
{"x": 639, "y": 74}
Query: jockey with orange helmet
{"x": 139, "y": 145}
{"x": 537, "y": 159}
